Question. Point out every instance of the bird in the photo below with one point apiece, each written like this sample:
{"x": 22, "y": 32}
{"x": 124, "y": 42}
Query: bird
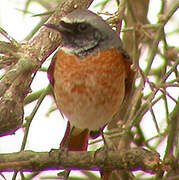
{"x": 90, "y": 75}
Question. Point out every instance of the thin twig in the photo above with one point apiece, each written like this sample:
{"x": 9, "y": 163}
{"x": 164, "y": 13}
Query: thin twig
{"x": 7, "y": 36}
{"x": 29, "y": 121}
{"x": 159, "y": 34}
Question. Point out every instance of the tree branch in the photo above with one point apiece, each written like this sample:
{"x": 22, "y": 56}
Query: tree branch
{"x": 133, "y": 159}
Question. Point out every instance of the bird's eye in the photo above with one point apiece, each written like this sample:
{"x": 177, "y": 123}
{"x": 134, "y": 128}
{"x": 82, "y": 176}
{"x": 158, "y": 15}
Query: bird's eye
{"x": 82, "y": 27}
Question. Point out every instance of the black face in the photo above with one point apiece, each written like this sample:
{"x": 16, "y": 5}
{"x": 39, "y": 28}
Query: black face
{"x": 79, "y": 38}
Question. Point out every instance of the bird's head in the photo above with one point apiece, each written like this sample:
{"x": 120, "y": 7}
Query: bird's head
{"x": 84, "y": 33}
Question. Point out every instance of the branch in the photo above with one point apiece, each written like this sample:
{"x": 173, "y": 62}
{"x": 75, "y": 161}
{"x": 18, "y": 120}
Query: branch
{"x": 134, "y": 159}
{"x": 158, "y": 36}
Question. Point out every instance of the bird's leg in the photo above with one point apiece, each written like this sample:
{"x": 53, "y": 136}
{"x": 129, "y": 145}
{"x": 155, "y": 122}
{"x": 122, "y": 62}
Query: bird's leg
{"x": 106, "y": 147}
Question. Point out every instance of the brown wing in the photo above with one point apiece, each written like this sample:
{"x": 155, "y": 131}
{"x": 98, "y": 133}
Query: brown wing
{"x": 130, "y": 79}
{"x": 130, "y": 73}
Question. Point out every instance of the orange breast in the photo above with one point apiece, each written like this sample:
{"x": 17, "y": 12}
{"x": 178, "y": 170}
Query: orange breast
{"x": 89, "y": 91}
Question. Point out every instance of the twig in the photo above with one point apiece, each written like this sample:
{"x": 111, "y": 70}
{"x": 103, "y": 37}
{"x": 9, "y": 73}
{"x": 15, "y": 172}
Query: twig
{"x": 7, "y": 36}
{"x": 31, "y": 116}
{"x": 118, "y": 16}
{"x": 154, "y": 119}
{"x": 35, "y": 95}
{"x": 159, "y": 34}
{"x": 29, "y": 121}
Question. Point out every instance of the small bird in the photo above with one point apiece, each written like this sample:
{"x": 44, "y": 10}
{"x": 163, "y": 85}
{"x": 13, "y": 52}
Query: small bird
{"x": 90, "y": 75}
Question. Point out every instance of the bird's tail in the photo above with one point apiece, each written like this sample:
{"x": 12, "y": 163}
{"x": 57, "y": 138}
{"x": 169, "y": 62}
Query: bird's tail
{"x": 75, "y": 139}
{"x": 106, "y": 175}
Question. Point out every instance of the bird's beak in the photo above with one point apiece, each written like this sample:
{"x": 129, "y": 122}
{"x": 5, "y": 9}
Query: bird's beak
{"x": 54, "y": 27}
{"x": 60, "y": 27}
